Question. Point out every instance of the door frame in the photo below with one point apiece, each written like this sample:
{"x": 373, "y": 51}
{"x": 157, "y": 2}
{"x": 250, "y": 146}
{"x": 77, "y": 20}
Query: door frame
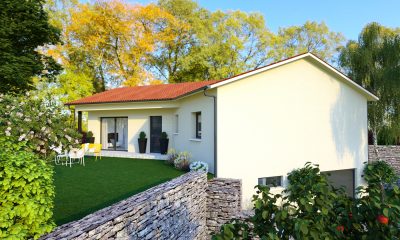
{"x": 115, "y": 130}
{"x": 151, "y": 128}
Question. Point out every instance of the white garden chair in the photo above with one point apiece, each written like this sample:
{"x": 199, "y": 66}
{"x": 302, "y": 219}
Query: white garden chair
{"x": 60, "y": 155}
{"x": 78, "y": 154}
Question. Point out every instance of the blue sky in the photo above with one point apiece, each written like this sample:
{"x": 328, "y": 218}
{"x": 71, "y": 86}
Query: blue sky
{"x": 346, "y": 16}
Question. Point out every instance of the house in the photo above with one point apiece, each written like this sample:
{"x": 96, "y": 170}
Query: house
{"x": 256, "y": 126}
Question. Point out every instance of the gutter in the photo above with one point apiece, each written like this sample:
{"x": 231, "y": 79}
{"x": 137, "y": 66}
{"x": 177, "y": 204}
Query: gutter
{"x": 215, "y": 128}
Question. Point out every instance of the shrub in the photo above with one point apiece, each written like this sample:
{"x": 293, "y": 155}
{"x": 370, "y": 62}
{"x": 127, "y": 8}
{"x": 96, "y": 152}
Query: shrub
{"x": 198, "y": 166}
{"x": 142, "y": 135}
{"x": 171, "y": 156}
{"x": 26, "y": 190}
{"x": 310, "y": 208}
{"x": 182, "y": 162}
{"x": 164, "y": 135}
{"x": 42, "y": 123}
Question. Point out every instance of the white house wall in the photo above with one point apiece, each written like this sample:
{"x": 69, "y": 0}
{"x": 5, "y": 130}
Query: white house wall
{"x": 276, "y": 121}
{"x": 203, "y": 149}
{"x": 139, "y": 120}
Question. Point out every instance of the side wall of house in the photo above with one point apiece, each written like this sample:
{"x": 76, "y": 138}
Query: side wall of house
{"x": 200, "y": 149}
{"x": 276, "y": 121}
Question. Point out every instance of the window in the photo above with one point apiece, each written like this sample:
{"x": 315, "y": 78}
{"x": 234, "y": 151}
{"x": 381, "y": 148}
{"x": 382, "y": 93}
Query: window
{"x": 176, "y": 123}
{"x": 198, "y": 125}
{"x": 271, "y": 181}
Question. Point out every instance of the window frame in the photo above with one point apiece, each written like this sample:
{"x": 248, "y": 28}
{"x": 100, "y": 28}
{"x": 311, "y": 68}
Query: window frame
{"x": 198, "y": 129}
{"x": 274, "y": 181}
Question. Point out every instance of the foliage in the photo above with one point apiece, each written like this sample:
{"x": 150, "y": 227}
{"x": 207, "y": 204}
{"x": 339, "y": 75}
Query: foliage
{"x": 310, "y": 37}
{"x": 373, "y": 62}
{"x": 182, "y": 162}
{"x": 89, "y": 134}
{"x": 164, "y": 135}
{"x": 172, "y": 154}
{"x": 41, "y": 122}
{"x": 142, "y": 135}
{"x": 211, "y": 45}
{"x": 26, "y": 190}
{"x": 24, "y": 28}
{"x": 310, "y": 208}
{"x": 198, "y": 166}
{"x": 111, "y": 43}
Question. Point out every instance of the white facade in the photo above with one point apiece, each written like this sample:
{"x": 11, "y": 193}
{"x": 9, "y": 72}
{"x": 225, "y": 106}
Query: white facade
{"x": 269, "y": 122}
{"x": 177, "y": 121}
{"x": 294, "y": 114}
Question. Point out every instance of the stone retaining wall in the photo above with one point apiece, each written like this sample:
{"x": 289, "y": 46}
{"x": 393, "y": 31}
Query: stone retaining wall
{"x": 187, "y": 207}
{"x": 390, "y": 154}
{"x": 172, "y": 210}
{"x": 223, "y": 202}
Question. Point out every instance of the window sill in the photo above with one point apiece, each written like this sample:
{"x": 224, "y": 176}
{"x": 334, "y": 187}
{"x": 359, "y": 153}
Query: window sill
{"x": 195, "y": 139}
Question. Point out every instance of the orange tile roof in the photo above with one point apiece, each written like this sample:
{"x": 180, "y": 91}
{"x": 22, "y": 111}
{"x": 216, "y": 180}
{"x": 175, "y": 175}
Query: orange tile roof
{"x": 144, "y": 93}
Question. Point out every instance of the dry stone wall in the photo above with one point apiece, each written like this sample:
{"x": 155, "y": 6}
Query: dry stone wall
{"x": 390, "y": 154}
{"x": 223, "y": 202}
{"x": 187, "y": 207}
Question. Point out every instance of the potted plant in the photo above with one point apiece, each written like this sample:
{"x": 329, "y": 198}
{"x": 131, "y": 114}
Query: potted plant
{"x": 142, "y": 142}
{"x": 164, "y": 143}
{"x": 89, "y": 137}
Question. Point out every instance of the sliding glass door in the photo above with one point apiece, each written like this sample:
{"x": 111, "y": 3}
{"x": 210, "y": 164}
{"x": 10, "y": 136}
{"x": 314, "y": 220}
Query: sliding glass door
{"x": 114, "y": 133}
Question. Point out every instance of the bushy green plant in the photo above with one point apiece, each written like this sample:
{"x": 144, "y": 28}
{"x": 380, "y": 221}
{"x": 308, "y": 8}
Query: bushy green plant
{"x": 26, "y": 192}
{"x": 142, "y": 135}
{"x": 89, "y": 134}
{"x": 41, "y": 122}
{"x": 164, "y": 135}
{"x": 310, "y": 208}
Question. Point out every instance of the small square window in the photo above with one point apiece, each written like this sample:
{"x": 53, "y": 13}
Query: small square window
{"x": 198, "y": 125}
{"x": 275, "y": 181}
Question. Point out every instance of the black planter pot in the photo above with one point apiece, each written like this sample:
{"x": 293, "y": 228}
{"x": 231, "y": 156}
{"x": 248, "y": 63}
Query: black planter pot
{"x": 164, "y": 145}
{"x": 142, "y": 145}
{"x": 90, "y": 140}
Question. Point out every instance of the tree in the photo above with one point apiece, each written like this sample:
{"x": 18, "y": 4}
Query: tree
{"x": 24, "y": 28}
{"x": 374, "y": 62}
{"x": 310, "y": 37}
{"x": 210, "y": 45}
{"x": 109, "y": 40}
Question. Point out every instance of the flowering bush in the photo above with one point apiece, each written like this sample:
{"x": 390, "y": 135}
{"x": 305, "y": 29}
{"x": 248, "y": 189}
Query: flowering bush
{"x": 198, "y": 166}
{"x": 26, "y": 192}
{"x": 172, "y": 155}
{"x": 310, "y": 208}
{"x": 42, "y": 123}
{"x": 182, "y": 161}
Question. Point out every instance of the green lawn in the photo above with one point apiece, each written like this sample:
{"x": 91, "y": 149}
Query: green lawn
{"x": 82, "y": 190}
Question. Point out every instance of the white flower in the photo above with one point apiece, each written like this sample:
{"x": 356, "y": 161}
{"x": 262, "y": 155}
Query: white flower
{"x": 43, "y": 128}
{"x": 27, "y": 120}
{"x": 19, "y": 114}
{"x": 27, "y": 94}
{"x": 31, "y": 132}
{"x": 76, "y": 141}
{"x": 43, "y": 150}
{"x": 41, "y": 143}
{"x": 22, "y": 103}
{"x": 8, "y": 133}
{"x": 68, "y": 137}
{"x": 38, "y": 148}
{"x": 49, "y": 121}
{"x": 40, "y": 114}
{"x": 21, "y": 137}
{"x": 9, "y": 129}
{"x": 8, "y": 123}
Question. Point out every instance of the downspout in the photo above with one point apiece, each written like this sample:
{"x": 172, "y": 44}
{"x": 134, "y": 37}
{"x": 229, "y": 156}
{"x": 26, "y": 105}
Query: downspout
{"x": 215, "y": 128}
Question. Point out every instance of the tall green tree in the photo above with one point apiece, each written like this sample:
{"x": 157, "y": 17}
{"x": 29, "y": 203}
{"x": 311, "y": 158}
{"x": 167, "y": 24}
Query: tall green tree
{"x": 24, "y": 28}
{"x": 210, "y": 45}
{"x": 310, "y": 37}
{"x": 374, "y": 62}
